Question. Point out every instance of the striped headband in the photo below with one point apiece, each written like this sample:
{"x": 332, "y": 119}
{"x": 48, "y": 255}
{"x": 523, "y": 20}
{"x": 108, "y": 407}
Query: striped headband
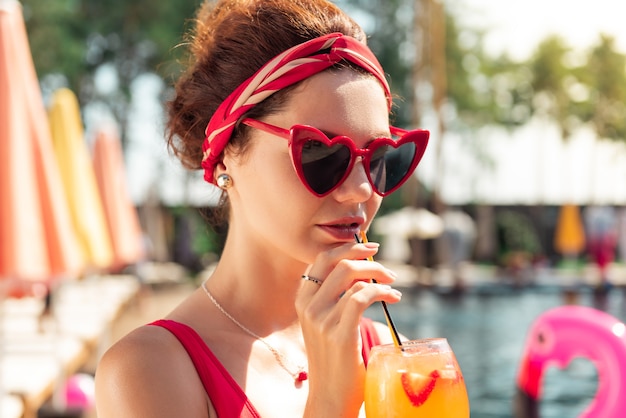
{"x": 293, "y": 65}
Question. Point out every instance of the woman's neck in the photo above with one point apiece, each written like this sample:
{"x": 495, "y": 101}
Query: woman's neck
{"x": 249, "y": 281}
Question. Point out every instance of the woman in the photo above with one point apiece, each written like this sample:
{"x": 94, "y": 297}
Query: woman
{"x": 268, "y": 81}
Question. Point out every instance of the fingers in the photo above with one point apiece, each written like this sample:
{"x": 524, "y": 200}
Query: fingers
{"x": 325, "y": 262}
{"x": 362, "y": 295}
{"x": 348, "y": 271}
{"x": 342, "y": 277}
{"x": 337, "y": 258}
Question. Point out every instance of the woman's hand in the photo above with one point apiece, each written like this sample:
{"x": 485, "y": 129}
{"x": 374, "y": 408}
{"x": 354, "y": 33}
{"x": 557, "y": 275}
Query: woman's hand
{"x": 329, "y": 315}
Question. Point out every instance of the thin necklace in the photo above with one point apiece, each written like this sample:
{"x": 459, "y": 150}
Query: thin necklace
{"x": 299, "y": 376}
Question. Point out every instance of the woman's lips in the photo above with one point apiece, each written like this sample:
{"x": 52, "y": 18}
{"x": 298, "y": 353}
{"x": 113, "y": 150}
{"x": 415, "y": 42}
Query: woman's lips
{"x": 342, "y": 230}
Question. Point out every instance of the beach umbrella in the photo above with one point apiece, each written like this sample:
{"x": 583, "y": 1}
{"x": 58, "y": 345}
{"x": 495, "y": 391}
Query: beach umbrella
{"x": 122, "y": 219}
{"x": 79, "y": 179}
{"x": 569, "y": 236}
{"x": 37, "y": 240}
{"x": 410, "y": 222}
{"x": 396, "y": 228}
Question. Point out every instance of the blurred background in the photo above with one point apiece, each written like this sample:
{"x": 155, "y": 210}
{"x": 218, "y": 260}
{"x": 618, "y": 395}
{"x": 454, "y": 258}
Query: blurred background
{"x": 519, "y": 204}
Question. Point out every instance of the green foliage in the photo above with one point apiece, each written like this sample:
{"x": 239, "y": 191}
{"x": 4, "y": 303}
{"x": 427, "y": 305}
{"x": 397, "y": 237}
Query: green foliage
{"x": 606, "y": 78}
{"x": 57, "y": 37}
{"x": 483, "y": 89}
{"x": 516, "y": 233}
{"x": 548, "y": 65}
{"x": 74, "y": 37}
{"x": 593, "y": 90}
{"x": 550, "y": 75}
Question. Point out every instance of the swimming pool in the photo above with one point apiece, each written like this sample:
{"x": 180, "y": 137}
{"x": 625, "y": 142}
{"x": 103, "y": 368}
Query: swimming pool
{"x": 487, "y": 330}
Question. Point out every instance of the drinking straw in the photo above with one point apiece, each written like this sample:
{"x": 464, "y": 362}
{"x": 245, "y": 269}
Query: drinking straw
{"x": 390, "y": 324}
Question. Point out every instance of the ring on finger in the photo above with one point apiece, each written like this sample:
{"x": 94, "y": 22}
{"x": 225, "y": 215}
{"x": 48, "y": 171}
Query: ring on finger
{"x": 312, "y": 279}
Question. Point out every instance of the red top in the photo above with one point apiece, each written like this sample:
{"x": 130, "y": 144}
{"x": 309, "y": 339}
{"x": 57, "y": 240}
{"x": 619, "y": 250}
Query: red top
{"x": 228, "y": 399}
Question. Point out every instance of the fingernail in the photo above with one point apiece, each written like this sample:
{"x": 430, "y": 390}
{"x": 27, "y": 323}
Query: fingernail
{"x": 372, "y": 244}
{"x": 392, "y": 273}
{"x": 396, "y": 292}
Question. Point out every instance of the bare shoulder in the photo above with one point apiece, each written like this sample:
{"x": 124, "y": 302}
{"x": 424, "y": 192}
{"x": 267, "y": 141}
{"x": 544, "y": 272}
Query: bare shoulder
{"x": 148, "y": 373}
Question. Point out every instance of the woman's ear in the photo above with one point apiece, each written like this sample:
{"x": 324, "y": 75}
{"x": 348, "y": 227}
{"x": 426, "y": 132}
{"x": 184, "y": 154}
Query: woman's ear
{"x": 220, "y": 168}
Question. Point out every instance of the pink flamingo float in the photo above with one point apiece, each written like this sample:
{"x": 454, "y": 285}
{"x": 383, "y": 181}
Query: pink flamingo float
{"x": 561, "y": 334}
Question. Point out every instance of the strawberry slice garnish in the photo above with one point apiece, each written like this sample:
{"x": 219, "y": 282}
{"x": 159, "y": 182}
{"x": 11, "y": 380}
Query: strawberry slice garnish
{"x": 418, "y": 387}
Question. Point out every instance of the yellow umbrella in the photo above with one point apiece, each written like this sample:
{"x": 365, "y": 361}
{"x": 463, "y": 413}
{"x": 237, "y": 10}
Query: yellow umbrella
{"x": 123, "y": 222}
{"x": 79, "y": 178}
{"x": 569, "y": 236}
{"x": 37, "y": 240}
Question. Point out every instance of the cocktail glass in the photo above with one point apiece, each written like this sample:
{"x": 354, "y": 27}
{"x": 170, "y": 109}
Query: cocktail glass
{"x": 421, "y": 378}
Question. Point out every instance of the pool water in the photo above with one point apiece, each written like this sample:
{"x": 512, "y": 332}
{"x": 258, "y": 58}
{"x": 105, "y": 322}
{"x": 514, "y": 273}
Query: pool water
{"x": 487, "y": 330}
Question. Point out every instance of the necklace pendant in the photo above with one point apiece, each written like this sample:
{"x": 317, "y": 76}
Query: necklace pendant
{"x": 300, "y": 376}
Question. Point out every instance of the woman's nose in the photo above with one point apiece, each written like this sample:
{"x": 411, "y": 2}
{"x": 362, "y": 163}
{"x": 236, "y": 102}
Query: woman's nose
{"x": 356, "y": 187}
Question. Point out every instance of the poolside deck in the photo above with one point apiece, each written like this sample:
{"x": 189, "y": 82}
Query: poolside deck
{"x": 38, "y": 352}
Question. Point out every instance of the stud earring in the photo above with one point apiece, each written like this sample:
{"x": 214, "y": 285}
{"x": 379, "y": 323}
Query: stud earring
{"x": 224, "y": 181}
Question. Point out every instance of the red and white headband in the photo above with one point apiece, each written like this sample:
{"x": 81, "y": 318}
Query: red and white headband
{"x": 293, "y": 65}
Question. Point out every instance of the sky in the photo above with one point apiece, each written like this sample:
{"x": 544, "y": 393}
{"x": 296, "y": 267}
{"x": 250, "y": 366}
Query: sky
{"x": 532, "y": 165}
{"x": 518, "y": 26}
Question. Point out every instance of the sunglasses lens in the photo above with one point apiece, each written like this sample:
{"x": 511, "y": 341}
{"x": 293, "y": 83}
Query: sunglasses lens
{"x": 323, "y": 166}
{"x": 389, "y": 166}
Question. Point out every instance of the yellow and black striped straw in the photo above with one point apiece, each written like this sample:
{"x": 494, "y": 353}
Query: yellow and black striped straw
{"x": 394, "y": 333}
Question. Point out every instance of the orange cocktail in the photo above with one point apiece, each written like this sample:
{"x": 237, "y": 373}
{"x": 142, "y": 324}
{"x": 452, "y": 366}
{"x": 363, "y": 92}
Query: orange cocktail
{"x": 423, "y": 379}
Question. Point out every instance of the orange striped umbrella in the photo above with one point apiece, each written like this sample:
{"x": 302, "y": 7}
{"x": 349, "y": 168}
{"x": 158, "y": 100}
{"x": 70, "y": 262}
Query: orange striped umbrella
{"x": 79, "y": 179}
{"x": 123, "y": 221}
{"x": 37, "y": 241}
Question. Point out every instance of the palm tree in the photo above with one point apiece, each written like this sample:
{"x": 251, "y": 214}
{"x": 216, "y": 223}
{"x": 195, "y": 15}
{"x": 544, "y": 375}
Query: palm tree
{"x": 606, "y": 78}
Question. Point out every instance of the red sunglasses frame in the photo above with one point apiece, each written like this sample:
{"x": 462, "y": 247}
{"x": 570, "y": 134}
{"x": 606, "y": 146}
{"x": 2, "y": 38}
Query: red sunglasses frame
{"x": 419, "y": 137}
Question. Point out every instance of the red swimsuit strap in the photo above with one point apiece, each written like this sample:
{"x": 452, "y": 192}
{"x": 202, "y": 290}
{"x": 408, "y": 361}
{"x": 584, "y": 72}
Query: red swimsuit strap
{"x": 227, "y": 397}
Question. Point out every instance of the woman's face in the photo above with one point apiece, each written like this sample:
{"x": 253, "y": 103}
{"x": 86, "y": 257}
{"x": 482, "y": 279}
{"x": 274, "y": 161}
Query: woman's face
{"x": 271, "y": 206}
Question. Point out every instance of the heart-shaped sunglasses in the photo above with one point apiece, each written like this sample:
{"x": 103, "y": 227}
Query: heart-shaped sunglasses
{"x": 322, "y": 164}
